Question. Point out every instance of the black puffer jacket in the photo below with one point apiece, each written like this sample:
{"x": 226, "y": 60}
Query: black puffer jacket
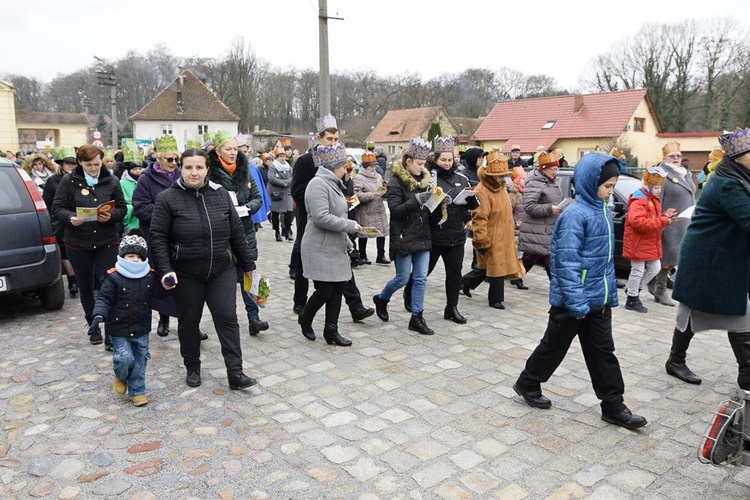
{"x": 195, "y": 232}
{"x": 125, "y": 303}
{"x": 451, "y": 233}
{"x": 73, "y": 192}
{"x": 410, "y": 225}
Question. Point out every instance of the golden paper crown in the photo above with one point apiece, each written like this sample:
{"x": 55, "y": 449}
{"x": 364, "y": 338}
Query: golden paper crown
{"x": 517, "y": 172}
{"x": 368, "y": 158}
{"x": 497, "y": 164}
{"x": 286, "y": 141}
{"x": 670, "y": 147}
{"x": 547, "y": 160}
{"x": 654, "y": 176}
{"x": 616, "y": 153}
{"x": 716, "y": 154}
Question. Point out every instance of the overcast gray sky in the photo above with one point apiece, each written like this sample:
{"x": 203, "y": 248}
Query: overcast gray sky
{"x": 50, "y": 37}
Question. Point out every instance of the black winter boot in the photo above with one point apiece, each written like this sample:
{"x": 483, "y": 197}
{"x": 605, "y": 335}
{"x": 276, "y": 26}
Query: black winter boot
{"x": 419, "y": 325}
{"x": 740, "y": 343}
{"x": 451, "y": 313}
{"x": 676, "y": 363}
{"x": 306, "y": 324}
{"x": 381, "y": 307}
{"x": 72, "y": 286}
{"x": 162, "y": 329}
{"x": 278, "y": 235}
{"x": 332, "y": 336}
{"x": 635, "y": 304}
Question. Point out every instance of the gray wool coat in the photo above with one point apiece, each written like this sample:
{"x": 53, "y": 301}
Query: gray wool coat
{"x": 539, "y": 195}
{"x": 280, "y": 182}
{"x": 325, "y": 244}
{"x": 678, "y": 193}
{"x": 371, "y": 210}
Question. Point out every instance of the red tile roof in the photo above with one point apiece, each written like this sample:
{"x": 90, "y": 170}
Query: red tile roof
{"x": 198, "y": 103}
{"x": 521, "y": 121}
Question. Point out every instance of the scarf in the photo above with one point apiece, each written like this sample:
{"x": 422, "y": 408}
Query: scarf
{"x": 281, "y": 167}
{"x": 170, "y": 175}
{"x": 133, "y": 270}
{"x": 229, "y": 167}
{"x": 679, "y": 170}
{"x": 126, "y": 175}
{"x": 90, "y": 181}
{"x": 730, "y": 168}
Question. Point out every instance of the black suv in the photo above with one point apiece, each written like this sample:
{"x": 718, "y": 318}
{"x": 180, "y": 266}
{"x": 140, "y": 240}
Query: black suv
{"x": 29, "y": 256}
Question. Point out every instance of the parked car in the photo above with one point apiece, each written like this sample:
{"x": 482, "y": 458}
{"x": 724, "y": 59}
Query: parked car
{"x": 29, "y": 255}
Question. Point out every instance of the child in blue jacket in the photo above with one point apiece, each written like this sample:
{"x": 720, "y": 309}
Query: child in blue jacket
{"x": 582, "y": 292}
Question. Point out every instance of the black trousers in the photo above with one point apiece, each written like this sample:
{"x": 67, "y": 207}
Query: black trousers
{"x": 530, "y": 260}
{"x": 453, "y": 258}
{"x": 476, "y": 276}
{"x": 302, "y": 285}
{"x": 287, "y": 220}
{"x": 380, "y": 242}
{"x": 89, "y": 266}
{"x": 326, "y": 294}
{"x": 220, "y": 294}
{"x": 595, "y": 334}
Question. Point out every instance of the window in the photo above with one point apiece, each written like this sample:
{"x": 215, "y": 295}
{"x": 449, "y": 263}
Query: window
{"x": 639, "y": 124}
{"x": 166, "y": 128}
{"x": 202, "y": 129}
{"x": 391, "y": 150}
{"x": 582, "y": 152}
{"x": 549, "y": 124}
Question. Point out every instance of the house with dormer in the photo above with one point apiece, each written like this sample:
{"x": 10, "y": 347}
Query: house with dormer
{"x": 394, "y": 131}
{"x": 186, "y": 109}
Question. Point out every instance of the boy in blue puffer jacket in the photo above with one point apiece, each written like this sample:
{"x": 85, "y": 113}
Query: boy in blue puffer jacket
{"x": 582, "y": 292}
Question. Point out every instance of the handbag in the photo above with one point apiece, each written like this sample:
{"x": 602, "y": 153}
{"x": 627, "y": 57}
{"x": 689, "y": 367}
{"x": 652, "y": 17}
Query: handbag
{"x": 277, "y": 195}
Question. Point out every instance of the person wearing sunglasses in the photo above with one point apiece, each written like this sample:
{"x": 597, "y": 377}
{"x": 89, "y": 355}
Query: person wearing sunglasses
{"x": 678, "y": 193}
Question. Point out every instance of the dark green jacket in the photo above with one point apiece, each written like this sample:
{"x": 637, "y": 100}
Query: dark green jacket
{"x": 241, "y": 182}
{"x": 713, "y": 274}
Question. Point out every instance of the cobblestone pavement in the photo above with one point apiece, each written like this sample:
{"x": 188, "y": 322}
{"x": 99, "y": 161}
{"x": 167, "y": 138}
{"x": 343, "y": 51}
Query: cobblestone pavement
{"x": 397, "y": 415}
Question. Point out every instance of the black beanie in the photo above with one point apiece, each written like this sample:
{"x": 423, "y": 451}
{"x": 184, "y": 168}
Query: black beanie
{"x": 134, "y": 242}
{"x": 609, "y": 170}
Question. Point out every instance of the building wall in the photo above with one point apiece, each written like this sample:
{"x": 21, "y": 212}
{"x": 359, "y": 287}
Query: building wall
{"x": 643, "y": 145}
{"x": 182, "y": 131}
{"x": 8, "y": 130}
{"x": 65, "y": 135}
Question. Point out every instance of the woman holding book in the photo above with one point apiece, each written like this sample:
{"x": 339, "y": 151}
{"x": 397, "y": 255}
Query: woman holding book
{"x": 370, "y": 188}
{"x": 91, "y": 245}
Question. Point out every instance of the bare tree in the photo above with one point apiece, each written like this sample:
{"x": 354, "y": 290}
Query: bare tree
{"x": 29, "y": 93}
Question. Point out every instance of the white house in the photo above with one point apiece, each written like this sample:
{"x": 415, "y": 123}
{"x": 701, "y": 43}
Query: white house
{"x": 185, "y": 109}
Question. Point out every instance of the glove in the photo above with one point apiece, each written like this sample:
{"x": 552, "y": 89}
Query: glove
{"x": 94, "y": 326}
{"x": 423, "y": 197}
{"x": 482, "y": 250}
{"x": 447, "y": 200}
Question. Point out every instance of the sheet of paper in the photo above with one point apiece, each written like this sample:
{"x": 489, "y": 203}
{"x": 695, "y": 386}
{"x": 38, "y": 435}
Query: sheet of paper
{"x": 434, "y": 201}
{"x": 567, "y": 201}
{"x": 371, "y": 232}
{"x": 88, "y": 214}
{"x": 353, "y": 202}
{"x": 687, "y": 213}
{"x": 242, "y": 210}
{"x": 465, "y": 193}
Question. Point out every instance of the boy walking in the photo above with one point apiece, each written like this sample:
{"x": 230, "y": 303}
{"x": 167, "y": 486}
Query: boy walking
{"x": 582, "y": 292}
{"x": 124, "y": 305}
{"x": 641, "y": 243}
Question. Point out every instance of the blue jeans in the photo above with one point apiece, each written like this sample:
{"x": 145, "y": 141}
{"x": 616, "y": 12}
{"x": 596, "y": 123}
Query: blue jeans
{"x": 250, "y": 306}
{"x": 415, "y": 264}
{"x": 129, "y": 360}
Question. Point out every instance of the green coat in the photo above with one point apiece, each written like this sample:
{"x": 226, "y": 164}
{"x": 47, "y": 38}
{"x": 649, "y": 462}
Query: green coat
{"x": 128, "y": 186}
{"x": 713, "y": 275}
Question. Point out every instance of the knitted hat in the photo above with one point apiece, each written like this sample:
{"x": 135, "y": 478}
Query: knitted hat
{"x": 654, "y": 176}
{"x": 134, "y": 242}
{"x": 609, "y": 170}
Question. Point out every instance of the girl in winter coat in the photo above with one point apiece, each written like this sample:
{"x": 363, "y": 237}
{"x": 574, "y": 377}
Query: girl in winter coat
{"x": 133, "y": 167}
{"x": 280, "y": 191}
{"x": 40, "y": 169}
{"x": 410, "y": 242}
{"x": 325, "y": 245}
{"x": 641, "y": 243}
{"x": 371, "y": 209}
{"x": 515, "y": 191}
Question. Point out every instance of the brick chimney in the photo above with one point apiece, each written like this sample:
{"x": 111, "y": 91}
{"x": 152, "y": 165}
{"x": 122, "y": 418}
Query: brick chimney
{"x": 577, "y": 103}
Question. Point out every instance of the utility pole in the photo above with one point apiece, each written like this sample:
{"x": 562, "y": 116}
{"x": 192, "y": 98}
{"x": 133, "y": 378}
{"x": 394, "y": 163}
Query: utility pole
{"x": 324, "y": 88}
{"x": 107, "y": 78}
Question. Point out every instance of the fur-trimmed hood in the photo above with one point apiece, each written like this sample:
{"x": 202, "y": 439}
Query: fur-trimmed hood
{"x": 49, "y": 164}
{"x": 411, "y": 182}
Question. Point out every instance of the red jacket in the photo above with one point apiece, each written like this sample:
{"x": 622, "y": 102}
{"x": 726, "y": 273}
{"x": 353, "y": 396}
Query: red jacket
{"x": 643, "y": 226}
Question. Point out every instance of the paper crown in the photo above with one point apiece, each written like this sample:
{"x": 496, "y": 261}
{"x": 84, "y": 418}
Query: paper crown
{"x": 193, "y": 144}
{"x": 547, "y": 160}
{"x": 328, "y": 121}
{"x": 286, "y": 142}
{"x": 329, "y": 156}
{"x": 165, "y": 143}
{"x": 312, "y": 141}
{"x": 444, "y": 144}
{"x": 670, "y": 147}
{"x": 109, "y": 153}
{"x": 497, "y": 164}
{"x": 242, "y": 140}
{"x": 616, "y": 153}
{"x": 368, "y": 158}
{"x": 370, "y": 145}
{"x": 130, "y": 152}
{"x": 278, "y": 151}
{"x": 65, "y": 153}
{"x": 654, "y": 176}
{"x": 517, "y": 174}
{"x": 716, "y": 154}
{"x": 418, "y": 148}
{"x": 222, "y": 137}
{"x": 736, "y": 143}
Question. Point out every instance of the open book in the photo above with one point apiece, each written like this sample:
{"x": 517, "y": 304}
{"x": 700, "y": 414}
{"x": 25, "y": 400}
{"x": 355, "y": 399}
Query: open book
{"x": 370, "y": 232}
{"x": 465, "y": 193}
{"x": 567, "y": 201}
{"x": 90, "y": 214}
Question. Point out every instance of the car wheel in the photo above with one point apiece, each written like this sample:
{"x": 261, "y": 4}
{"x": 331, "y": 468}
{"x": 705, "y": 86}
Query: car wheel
{"x": 670, "y": 276}
{"x": 53, "y": 296}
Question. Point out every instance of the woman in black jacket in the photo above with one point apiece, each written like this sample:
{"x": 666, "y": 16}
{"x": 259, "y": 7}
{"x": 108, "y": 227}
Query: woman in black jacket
{"x": 195, "y": 231}
{"x": 91, "y": 245}
{"x": 408, "y": 191}
{"x": 448, "y": 238}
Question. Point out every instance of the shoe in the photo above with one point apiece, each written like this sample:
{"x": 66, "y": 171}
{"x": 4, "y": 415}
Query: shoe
{"x": 365, "y": 261}
{"x": 241, "y": 381}
{"x": 139, "y": 400}
{"x": 297, "y": 309}
{"x": 382, "y": 260}
{"x": 677, "y": 353}
{"x": 381, "y": 307}
{"x": 307, "y": 330}
{"x": 625, "y": 418}
{"x": 278, "y": 235}
{"x": 193, "y": 378}
{"x": 451, "y": 313}
{"x": 96, "y": 338}
{"x": 73, "y": 289}
{"x": 354, "y": 262}
{"x": 119, "y": 386}
{"x": 288, "y": 235}
{"x": 533, "y": 399}
{"x": 498, "y": 305}
{"x": 419, "y": 325}
{"x": 332, "y": 336}
{"x": 682, "y": 372}
{"x": 620, "y": 284}
{"x": 519, "y": 284}
{"x": 635, "y": 304}
{"x": 360, "y": 314}
{"x": 256, "y": 326}
{"x": 108, "y": 343}
{"x": 203, "y": 335}
{"x": 664, "y": 299}
{"x": 465, "y": 289}
{"x": 162, "y": 329}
